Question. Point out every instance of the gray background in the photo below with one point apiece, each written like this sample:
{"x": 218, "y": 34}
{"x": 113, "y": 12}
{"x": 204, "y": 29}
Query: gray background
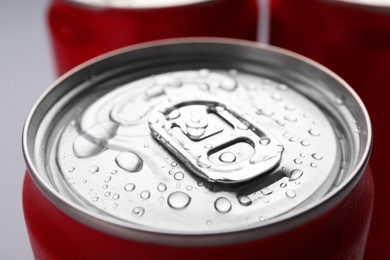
{"x": 25, "y": 71}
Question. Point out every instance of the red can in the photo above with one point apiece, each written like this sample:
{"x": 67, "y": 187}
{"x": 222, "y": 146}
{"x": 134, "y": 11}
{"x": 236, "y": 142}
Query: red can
{"x": 353, "y": 39}
{"x": 198, "y": 148}
{"x": 83, "y": 29}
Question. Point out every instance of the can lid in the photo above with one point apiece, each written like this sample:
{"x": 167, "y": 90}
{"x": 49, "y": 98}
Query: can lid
{"x": 138, "y": 4}
{"x": 197, "y": 138}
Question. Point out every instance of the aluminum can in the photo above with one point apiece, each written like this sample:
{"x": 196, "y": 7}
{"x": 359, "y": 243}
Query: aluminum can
{"x": 198, "y": 149}
{"x": 83, "y": 29}
{"x": 353, "y": 39}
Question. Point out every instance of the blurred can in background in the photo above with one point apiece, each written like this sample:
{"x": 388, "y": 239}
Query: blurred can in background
{"x": 83, "y": 29}
{"x": 198, "y": 149}
{"x": 352, "y": 38}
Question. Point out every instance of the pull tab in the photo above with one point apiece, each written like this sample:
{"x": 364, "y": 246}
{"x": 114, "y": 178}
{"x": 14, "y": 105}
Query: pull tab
{"x": 215, "y": 140}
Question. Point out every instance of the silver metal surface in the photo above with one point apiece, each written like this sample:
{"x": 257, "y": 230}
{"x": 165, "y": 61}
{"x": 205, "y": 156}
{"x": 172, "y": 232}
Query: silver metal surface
{"x": 212, "y": 139}
{"x": 203, "y": 142}
{"x": 139, "y": 4}
{"x": 378, "y": 6}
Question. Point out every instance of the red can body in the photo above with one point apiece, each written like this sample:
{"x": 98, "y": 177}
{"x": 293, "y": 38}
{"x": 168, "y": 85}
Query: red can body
{"x": 54, "y": 235}
{"x": 80, "y": 32}
{"x": 354, "y": 41}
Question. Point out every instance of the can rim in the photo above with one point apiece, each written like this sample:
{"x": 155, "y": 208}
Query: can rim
{"x": 373, "y": 5}
{"x": 122, "y": 6}
{"x": 274, "y": 226}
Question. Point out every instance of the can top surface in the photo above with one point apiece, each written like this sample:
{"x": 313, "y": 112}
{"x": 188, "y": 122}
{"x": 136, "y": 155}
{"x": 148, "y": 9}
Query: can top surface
{"x": 138, "y": 4}
{"x": 201, "y": 138}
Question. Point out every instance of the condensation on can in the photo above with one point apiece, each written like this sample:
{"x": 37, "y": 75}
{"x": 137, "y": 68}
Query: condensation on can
{"x": 214, "y": 144}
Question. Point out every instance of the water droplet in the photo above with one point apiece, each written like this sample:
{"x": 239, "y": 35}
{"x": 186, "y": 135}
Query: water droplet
{"x": 283, "y": 185}
{"x": 173, "y": 164}
{"x": 105, "y": 186}
{"x": 145, "y": 195}
{"x": 195, "y": 132}
{"x": 293, "y": 138}
{"x": 94, "y": 199}
{"x": 107, "y": 194}
{"x": 200, "y": 184}
{"x": 116, "y": 196}
{"x": 220, "y": 108}
{"x": 171, "y": 172}
{"x": 208, "y": 146}
{"x": 71, "y": 169}
{"x": 228, "y": 84}
{"x": 94, "y": 169}
{"x": 227, "y": 157}
{"x": 84, "y": 147}
{"x": 291, "y": 193}
{"x": 115, "y": 205}
{"x": 264, "y": 141}
{"x": 233, "y": 72}
{"x": 280, "y": 123}
{"x": 302, "y": 155}
{"x": 174, "y": 114}
{"x": 317, "y": 156}
{"x": 114, "y": 172}
{"x": 129, "y": 187}
{"x": 261, "y": 218}
{"x": 146, "y": 145}
{"x": 266, "y": 191}
{"x": 276, "y": 97}
{"x": 340, "y": 100}
{"x": 107, "y": 179}
{"x": 85, "y": 181}
{"x": 129, "y": 161}
{"x": 161, "y": 187}
{"x": 242, "y": 126}
{"x": 168, "y": 81}
{"x": 138, "y": 212}
{"x": 289, "y": 107}
{"x": 178, "y": 200}
{"x": 209, "y": 222}
{"x": 313, "y": 165}
{"x": 223, "y": 205}
{"x": 290, "y": 118}
{"x": 204, "y": 72}
{"x": 179, "y": 176}
{"x": 154, "y": 91}
{"x": 298, "y": 161}
{"x": 153, "y": 120}
{"x": 203, "y": 164}
{"x": 244, "y": 200}
{"x": 314, "y": 132}
{"x": 265, "y": 111}
{"x": 295, "y": 174}
{"x": 93, "y": 140}
{"x": 189, "y": 188}
{"x": 305, "y": 143}
{"x": 282, "y": 87}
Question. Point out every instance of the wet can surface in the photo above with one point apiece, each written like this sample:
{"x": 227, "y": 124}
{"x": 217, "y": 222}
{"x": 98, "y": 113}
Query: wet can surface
{"x": 83, "y": 29}
{"x": 198, "y": 148}
{"x": 352, "y": 38}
